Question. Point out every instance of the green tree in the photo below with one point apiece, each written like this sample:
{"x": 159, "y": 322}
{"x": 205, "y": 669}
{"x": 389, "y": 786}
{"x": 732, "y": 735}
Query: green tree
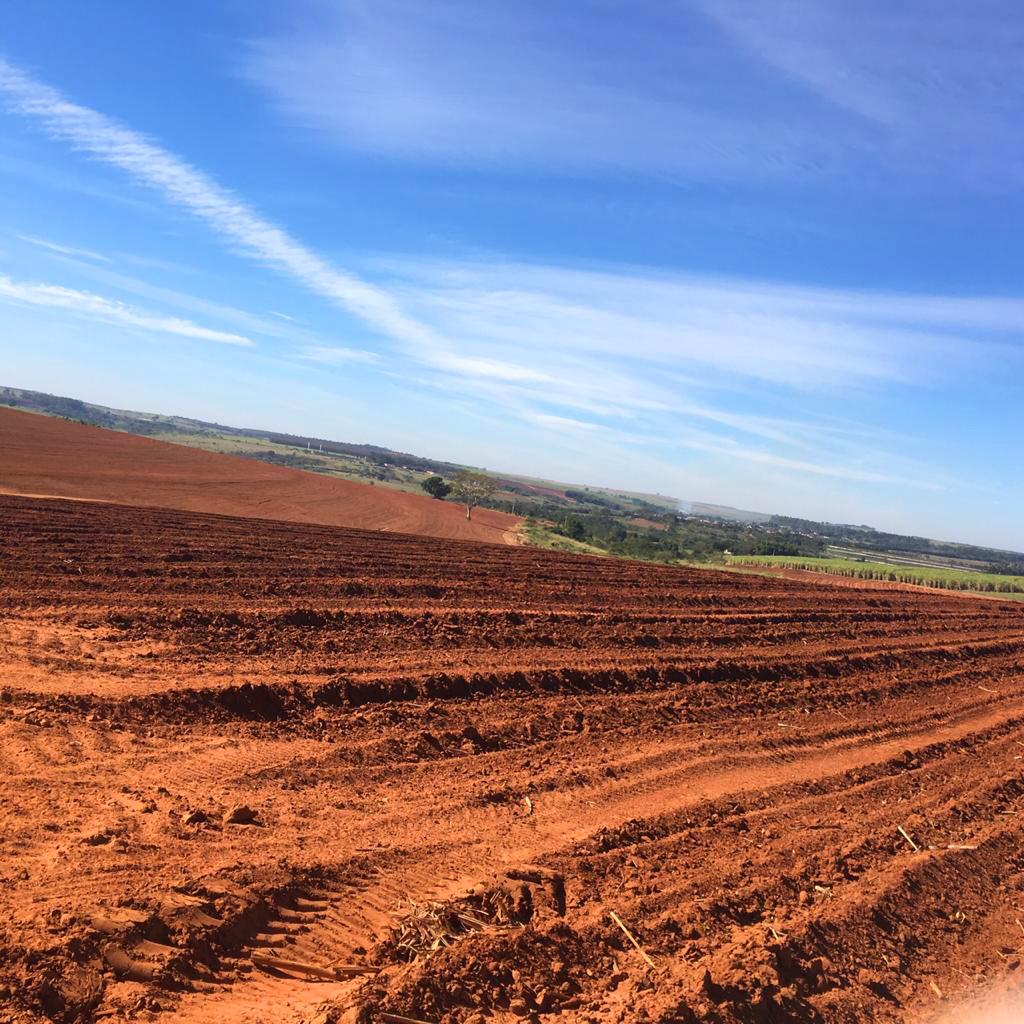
{"x": 472, "y": 489}
{"x": 436, "y": 487}
{"x": 574, "y": 528}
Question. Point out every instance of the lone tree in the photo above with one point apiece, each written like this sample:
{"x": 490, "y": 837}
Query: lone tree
{"x": 473, "y": 488}
{"x": 436, "y": 487}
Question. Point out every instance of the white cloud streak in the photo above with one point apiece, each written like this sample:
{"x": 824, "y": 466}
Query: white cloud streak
{"x": 338, "y": 355}
{"x": 490, "y": 369}
{"x": 637, "y": 340}
{"x": 837, "y": 472}
{"x": 520, "y": 84}
{"x": 185, "y": 186}
{"x": 246, "y": 322}
{"x": 552, "y": 422}
{"x": 99, "y": 308}
{"x": 547, "y": 344}
{"x": 936, "y": 84}
{"x": 743, "y": 371}
{"x": 916, "y": 90}
{"x": 64, "y": 250}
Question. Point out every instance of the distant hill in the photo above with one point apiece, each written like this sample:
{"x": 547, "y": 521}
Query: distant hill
{"x": 656, "y": 525}
{"x": 148, "y": 424}
{"x": 735, "y": 515}
{"x": 401, "y": 470}
{"x": 49, "y": 456}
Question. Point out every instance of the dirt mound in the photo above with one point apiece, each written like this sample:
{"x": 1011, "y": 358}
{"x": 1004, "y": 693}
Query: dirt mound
{"x": 244, "y": 760}
{"x": 43, "y": 455}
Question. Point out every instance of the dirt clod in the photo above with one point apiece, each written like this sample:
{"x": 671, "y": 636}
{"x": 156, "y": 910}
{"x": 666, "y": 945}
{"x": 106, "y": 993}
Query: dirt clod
{"x": 241, "y": 814}
{"x": 388, "y": 704}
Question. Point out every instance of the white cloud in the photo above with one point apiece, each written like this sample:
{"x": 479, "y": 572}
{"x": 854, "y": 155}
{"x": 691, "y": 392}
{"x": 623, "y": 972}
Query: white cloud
{"x": 88, "y": 304}
{"x": 836, "y": 471}
{"x": 635, "y": 339}
{"x": 746, "y": 371}
{"x": 514, "y": 84}
{"x": 338, "y": 355}
{"x": 938, "y": 84}
{"x": 225, "y": 213}
{"x": 835, "y": 88}
{"x": 482, "y": 366}
{"x": 242, "y": 319}
{"x": 675, "y": 360}
{"x": 545, "y": 419}
{"x": 64, "y": 250}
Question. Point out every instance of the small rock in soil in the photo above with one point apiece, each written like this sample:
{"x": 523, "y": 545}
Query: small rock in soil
{"x": 241, "y": 815}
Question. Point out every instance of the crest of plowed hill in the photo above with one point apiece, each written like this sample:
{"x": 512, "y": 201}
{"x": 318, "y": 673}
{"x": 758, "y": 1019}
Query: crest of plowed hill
{"x": 40, "y": 455}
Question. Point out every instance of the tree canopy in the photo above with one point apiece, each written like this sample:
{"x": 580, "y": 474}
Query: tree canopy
{"x": 436, "y": 487}
{"x": 472, "y": 488}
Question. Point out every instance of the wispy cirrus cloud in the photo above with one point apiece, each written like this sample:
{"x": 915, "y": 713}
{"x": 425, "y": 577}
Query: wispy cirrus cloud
{"x": 586, "y": 328}
{"x": 96, "y": 307}
{"x": 106, "y": 277}
{"x": 816, "y": 468}
{"x": 935, "y": 86}
{"x": 186, "y": 186}
{"x": 64, "y": 250}
{"x": 815, "y": 448}
{"x": 457, "y": 81}
{"x": 338, "y": 355}
{"x": 712, "y": 90}
{"x": 487, "y": 367}
{"x": 959, "y": 77}
{"x": 629, "y": 352}
{"x": 746, "y": 371}
{"x": 553, "y": 422}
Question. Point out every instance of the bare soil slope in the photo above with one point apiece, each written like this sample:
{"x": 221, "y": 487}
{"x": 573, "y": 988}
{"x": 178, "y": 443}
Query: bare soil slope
{"x": 725, "y": 762}
{"x": 48, "y": 456}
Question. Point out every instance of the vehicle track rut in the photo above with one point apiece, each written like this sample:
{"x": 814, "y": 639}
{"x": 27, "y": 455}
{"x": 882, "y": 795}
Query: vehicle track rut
{"x": 407, "y": 719}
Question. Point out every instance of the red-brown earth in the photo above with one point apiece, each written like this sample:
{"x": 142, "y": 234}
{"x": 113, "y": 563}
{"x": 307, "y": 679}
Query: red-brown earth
{"x": 724, "y": 761}
{"x": 44, "y": 455}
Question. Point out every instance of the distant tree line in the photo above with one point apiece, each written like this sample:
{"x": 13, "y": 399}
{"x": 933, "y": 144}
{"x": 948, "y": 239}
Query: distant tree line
{"x": 680, "y": 538}
{"x": 869, "y": 540}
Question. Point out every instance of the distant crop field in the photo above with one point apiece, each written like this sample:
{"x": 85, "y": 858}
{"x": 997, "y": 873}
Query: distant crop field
{"x": 942, "y": 579}
{"x": 344, "y": 467}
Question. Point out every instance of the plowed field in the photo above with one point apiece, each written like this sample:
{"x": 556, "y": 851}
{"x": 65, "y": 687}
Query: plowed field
{"x": 803, "y": 802}
{"x": 43, "y": 455}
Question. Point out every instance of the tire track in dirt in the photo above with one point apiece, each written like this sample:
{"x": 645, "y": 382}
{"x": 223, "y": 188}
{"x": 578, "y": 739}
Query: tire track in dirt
{"x": 347, "y": 920}
{"x": 387, "y": 705}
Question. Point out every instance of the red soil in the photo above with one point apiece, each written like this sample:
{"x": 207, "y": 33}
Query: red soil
{"x": 723, "y": 760}
{"x": 42, "y": 455}
{"x": 649, "y": 524}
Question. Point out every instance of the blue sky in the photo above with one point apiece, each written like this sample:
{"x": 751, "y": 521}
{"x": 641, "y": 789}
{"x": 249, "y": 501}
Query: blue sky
{"x": 758, "y": 253}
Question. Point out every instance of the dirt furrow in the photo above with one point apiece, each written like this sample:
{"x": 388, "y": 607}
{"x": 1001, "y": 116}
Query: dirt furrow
{"x": 227, "y": 738}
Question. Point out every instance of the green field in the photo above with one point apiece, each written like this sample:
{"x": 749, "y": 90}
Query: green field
{"x": 539, "y": 535}
{"x": 942, "y": 579}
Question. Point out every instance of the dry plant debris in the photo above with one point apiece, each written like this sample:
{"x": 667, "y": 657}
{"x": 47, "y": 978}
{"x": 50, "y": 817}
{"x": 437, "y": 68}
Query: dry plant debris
{"x": 425, "y": 928}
